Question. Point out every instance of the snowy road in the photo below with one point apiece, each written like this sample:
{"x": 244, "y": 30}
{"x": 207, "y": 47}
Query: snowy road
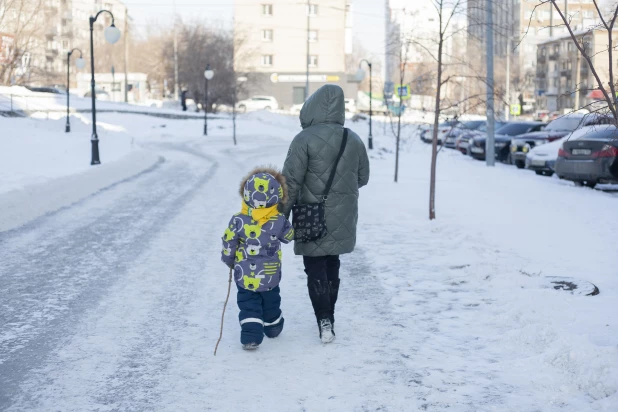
{"x": 114, "y": 303}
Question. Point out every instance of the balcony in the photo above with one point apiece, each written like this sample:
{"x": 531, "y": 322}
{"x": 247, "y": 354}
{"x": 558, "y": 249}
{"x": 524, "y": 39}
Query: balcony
{"x": 553, "y": 56}
{"x": 565, "y": 73}
{"x": 51, "y": 53}
{"x": 541, "y": 59}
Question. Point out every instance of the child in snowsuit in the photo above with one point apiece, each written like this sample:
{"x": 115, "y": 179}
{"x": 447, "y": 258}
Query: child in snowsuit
{"x": 252, "y": 247}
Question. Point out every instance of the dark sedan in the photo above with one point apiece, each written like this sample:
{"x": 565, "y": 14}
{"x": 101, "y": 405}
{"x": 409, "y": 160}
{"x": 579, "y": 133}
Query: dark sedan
{"x": 555, "y": 130}
{"x": 503, "y": 138}
{"x": 591, "y": 159}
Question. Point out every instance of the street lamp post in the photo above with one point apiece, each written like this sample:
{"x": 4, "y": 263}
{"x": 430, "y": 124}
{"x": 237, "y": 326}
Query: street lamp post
{"x": 112, "y": 35}
{"x": 208, "y": 74}
{"x": 80, "y": 63}
{"x": 362, "y": 74}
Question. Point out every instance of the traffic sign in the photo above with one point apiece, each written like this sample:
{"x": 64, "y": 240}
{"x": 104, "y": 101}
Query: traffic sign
{"x": 403, "y": 92}
{"x": 516, "y": 110}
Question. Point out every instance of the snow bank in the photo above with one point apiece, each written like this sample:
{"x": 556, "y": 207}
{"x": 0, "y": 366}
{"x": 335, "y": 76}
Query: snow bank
{"x": 19, "y": 207}
{"x": 43, "y": 169}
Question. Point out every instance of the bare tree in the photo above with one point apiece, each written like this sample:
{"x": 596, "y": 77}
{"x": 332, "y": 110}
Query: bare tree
{"x": 446, "y": 11}
{"x": 607, "y": 23}
{"x": 23, "y": 20}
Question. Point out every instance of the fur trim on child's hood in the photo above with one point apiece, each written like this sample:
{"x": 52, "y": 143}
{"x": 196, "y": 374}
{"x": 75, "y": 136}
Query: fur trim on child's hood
{"x": 247, "y": 191}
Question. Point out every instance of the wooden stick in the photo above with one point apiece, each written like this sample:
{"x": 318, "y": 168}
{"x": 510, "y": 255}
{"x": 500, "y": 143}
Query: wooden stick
{"x": 229, "y": 286}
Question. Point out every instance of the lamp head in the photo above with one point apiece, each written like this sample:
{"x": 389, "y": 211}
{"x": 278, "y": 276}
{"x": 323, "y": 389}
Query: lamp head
{"x": 209, "y": 73}
{"x": 80, "y": 63}
{"x": 360, "y": 75}
{"x": 112, "y": 34}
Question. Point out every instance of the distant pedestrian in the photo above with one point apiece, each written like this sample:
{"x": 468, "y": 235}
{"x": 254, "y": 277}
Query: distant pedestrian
{"x": 183, "y": 100}
{"x": 252, "y": 247}
{"x": 311, "y": 158}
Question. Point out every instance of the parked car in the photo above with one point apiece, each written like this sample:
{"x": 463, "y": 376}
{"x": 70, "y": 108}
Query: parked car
{"x": 443, "y": 129}
{"x": 503, "y": 137}
{"x": 542, "y": 159}
{"x": 462, "y": 141}
{"x": 99, "y": 94}
{"x": 258, "y": 103}
{"x": 556, "y": 129}
{"x": 541, "y": 116}
{"x": 47, "y": 89}
{"x": 590, "y": 159}
{"x": 463, "y": 127}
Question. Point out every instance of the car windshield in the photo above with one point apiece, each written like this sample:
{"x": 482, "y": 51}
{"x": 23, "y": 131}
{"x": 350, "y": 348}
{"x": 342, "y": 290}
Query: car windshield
{"x": 473, "y": 125}
{"x": 565, "y": 123}
{"x": 513, "y": 129}
{"x": 497, "y": 126}
{"x": 607, "y": 133}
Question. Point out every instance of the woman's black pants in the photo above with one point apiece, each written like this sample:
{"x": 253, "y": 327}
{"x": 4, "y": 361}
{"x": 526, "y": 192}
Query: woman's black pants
{"x": 323, "y": 284}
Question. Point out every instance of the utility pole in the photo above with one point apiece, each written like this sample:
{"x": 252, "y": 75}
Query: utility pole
{"x": 507, "y": 94}
{"x": 490, "y": 148}
{"x": 126, "y": 55}
{"x": 578, "y": 74}
{"x": 175, "y": 54}
{"x": 308, "y": 30}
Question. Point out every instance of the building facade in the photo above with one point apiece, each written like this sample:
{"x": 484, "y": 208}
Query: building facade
{"x": 276, "y": 41}
{"x": 520, "y": 25}
{"x": 56, "y": 27}
{"x": 564, "y": 79}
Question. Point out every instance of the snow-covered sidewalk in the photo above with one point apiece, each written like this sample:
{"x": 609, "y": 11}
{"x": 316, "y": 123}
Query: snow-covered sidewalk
{"x": 114, "y": 303}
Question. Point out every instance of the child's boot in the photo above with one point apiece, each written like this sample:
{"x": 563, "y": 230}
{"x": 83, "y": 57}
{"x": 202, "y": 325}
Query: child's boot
{"x": 250, "y": 346}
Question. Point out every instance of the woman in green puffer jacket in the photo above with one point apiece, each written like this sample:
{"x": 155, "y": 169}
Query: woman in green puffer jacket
{"x": 307, "y": 168}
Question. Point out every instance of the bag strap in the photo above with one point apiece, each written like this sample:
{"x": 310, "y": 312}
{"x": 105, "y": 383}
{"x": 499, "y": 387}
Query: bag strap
{"x": 332, "y": 173}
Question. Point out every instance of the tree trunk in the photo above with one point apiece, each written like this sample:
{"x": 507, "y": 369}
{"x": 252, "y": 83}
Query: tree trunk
{"x": 434, "y": 143}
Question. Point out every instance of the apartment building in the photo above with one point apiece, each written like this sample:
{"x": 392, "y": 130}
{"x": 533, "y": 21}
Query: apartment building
{"x": 60, "y": 25}
{"x": 275, "y": 41}
{"x": 519, "y": 27}
{"x": 564, "y": 80}
{"x": 68, "y": 27}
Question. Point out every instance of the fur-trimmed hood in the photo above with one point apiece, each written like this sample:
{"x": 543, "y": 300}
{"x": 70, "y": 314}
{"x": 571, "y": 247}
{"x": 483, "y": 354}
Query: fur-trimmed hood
{"x": 264, "y": 186}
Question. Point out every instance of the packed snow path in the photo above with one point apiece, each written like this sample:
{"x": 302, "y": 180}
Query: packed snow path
{"x": 114, "y": 304}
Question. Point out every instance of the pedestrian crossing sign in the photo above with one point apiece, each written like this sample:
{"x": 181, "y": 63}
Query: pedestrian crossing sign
{"x": 403, "y": 91}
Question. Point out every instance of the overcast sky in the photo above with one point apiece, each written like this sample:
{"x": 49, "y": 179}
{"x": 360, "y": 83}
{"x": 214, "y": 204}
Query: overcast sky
{"x": 368, "y": 17}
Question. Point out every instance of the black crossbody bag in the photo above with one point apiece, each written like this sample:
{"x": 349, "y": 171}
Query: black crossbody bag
{"x": 309, "y": 220}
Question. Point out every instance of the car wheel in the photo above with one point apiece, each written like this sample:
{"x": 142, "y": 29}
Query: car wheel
{"x": 242, "y": 108}
{"x": 268, "y": 108}
{"x": 539, "y": 172}
{"x": 591, "y": 185}
{"x": 548, "y": 173}
{"x": 520, "y": 164}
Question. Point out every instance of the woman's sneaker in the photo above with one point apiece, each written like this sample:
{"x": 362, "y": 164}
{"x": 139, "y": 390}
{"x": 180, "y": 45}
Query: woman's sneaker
{"x": 250, "y": 346}
{"x": 326, "y": 331}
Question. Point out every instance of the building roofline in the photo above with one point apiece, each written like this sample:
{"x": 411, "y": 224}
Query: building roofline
{"x": 577, "y": 33}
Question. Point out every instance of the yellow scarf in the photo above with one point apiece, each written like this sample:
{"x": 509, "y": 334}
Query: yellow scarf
{"x": 260, "y": 215}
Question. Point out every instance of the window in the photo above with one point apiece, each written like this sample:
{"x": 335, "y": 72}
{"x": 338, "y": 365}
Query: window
{"x": 313, "y": 61}
{"x": 267, "y": 9}
{"x": 267, "y": 35}
{"x": 65, "y": 44}
{"x": 313, "y": 36}
{"x": 313, "y": 9}
{"x": 267, "y": 60}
